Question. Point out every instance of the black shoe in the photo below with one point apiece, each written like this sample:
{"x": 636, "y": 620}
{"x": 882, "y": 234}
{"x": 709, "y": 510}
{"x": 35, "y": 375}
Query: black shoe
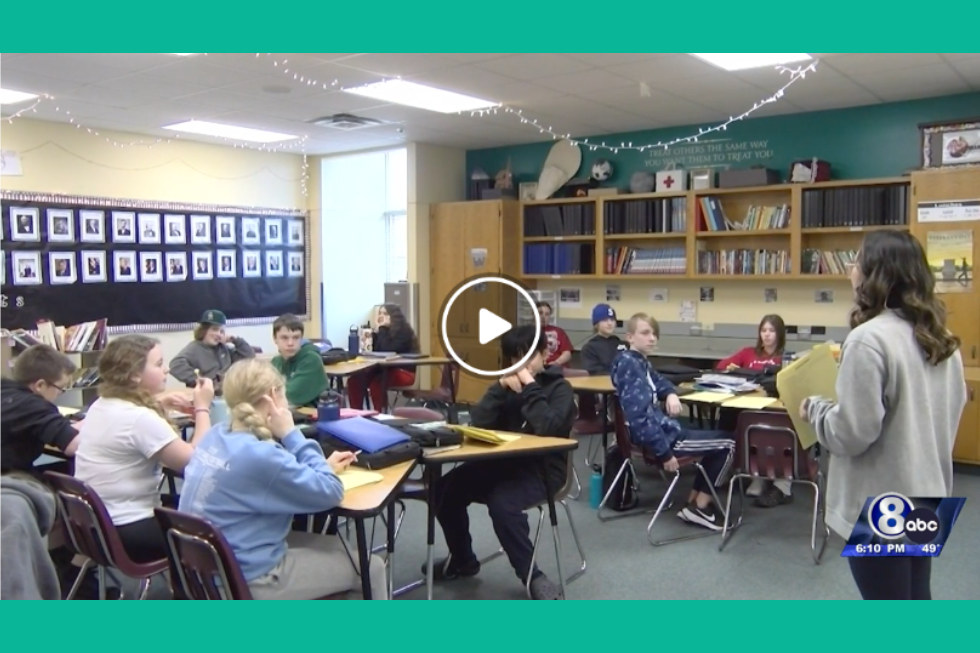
{"x": 447, "y": 569}
{"x": 772, "y": 497}
{"x": 707, "y": 517}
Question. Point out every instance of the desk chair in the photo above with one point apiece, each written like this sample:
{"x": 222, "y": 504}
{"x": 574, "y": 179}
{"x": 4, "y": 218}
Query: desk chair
{"x": 442, "y": 398}
{"x": 202, "y": 565}
{"x": 589, "y": 422}
{"x": 768, "y": 447}
{"x": 92, "y": 534}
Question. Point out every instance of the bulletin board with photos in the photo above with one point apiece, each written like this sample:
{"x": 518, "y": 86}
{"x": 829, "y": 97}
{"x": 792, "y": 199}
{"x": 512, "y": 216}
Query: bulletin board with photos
{"x": 155, "y": 266}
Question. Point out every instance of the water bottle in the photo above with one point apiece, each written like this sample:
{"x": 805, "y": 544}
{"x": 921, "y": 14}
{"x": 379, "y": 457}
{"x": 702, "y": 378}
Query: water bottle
{"x": 328, "y": 407}
{"x": 595, "y": 487}
{"x": 353, "y": 341}
{"x": 787, "y": 359}
{"x": 219, "y": 410}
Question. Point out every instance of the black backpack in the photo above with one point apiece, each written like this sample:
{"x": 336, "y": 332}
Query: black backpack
{"x": 336, "y": 355}
{"x": 387, "y": 457}
{"x": 623, "y": 497}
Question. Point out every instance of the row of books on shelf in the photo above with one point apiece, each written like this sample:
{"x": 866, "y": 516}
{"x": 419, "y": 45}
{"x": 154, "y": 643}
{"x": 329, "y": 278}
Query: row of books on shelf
{"x": 659, "y": 260}
{"x": 87, "y": 336}
{"x": 859, "y": 206}
{"x": 744, "y": 261}
{"x": 714, "y": 218}
{"x": 656, "y": 216}
{"x": 559, "y": 258}
{"x": 561, "y": 220}
{"x": 836, "y": 262}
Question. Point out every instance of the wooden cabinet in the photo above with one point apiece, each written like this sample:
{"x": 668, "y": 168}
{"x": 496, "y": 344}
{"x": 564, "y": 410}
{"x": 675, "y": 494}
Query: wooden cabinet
{"x": 963, "y": 306}
{"x": 469, "y": 239}
{"x": 967, "y": 448}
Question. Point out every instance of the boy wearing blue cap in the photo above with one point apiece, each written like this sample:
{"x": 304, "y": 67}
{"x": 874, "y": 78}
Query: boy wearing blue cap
{"x": 599, "y": 352}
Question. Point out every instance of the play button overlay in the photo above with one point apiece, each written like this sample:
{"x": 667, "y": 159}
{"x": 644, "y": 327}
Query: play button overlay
{"x": 492, "y": 326}
{"x": 476, "y": 314}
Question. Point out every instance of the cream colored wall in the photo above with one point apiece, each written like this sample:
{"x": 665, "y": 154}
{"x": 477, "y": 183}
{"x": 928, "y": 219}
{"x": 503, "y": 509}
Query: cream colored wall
{"x": 435, "y": 174}
{"x": 58, "y": 158}
{"x": 736, "y": 302}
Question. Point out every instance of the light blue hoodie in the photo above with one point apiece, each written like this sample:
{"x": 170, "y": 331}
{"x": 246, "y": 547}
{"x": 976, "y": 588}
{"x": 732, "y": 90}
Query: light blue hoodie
{"x": 250, "y": 489}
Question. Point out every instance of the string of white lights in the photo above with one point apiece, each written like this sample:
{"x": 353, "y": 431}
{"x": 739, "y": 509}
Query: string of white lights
{"x": 796, "y": 74}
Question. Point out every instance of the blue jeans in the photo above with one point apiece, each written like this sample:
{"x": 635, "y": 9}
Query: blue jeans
{"x": 716, "y": 450}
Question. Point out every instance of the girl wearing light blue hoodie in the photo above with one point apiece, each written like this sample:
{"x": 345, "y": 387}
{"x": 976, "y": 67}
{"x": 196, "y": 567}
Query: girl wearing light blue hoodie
{"x": 250, "y": 477}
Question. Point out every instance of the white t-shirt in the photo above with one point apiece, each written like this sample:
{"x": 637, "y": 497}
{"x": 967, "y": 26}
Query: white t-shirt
{"x": 115, "y": 449}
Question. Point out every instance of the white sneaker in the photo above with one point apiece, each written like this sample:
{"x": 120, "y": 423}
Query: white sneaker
{"x": 756, "y": 487}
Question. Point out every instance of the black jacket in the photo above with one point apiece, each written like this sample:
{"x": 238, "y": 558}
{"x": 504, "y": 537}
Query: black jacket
{"x": 545, "y": 407}
{"x": 599, "y": 352}
{"x": 27, "y": 423}
{"x": 399, "y": 342}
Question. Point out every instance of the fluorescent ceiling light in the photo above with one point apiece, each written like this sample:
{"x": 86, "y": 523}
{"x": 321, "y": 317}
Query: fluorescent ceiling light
{"x": 13, "y": 97}
{"x": 229, "y": 131}
{"x": 420, "y": 96}
{"x": 183, "y": 54}
{"x": 742, "y": 61}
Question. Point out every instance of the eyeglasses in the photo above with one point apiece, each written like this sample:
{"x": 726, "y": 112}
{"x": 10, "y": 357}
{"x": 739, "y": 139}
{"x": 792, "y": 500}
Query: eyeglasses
{"x": 57, "y": 387}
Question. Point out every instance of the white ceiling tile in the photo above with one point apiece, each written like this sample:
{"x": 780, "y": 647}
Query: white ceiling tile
{"x": 152, "y": 86}
{"x": 921, "y": 81}
{"x": 674, "y": 66}
{"x": 533, "y": 65}
{"x": 62, "y": 66}
{"x": 862, "y": 64}
{"x": 969, "y": 69}
{"x": 822, "y": 92}
{"x": 274, "y": 88}
{"x": 127, "y": 61}
{"x": 466, "y": 79}
{"x": 19, "y": 80}
{"x": 523, "y": 94}
{"x": 318, "y": 106}
{"x": 70, "y": 108}
{"x": 585, "y": 83}
{"x": 606, "y": 59}
{"x": 117, "y": 98}
{"x": 200, "y": 73}
{"x": 396, "y": 64}
{"x": 222, "y": 99}
{"x": 473, "y": 57}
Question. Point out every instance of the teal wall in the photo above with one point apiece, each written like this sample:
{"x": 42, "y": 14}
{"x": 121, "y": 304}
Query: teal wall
{"x": 862, "y": 142}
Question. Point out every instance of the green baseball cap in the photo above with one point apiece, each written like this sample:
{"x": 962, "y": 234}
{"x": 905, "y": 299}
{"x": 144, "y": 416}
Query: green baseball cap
{"x": 214, "y": 317}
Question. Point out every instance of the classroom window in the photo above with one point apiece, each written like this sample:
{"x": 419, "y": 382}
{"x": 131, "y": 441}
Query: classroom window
{"x": 396, "y": 246}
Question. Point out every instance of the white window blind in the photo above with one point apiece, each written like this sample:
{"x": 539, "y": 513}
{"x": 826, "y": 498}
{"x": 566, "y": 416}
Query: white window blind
{"x": 396, "y": 246}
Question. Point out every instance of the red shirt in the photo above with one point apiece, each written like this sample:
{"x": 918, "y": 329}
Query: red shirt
{"x": 748, "y": 359}
{"x": 558, "y": 343}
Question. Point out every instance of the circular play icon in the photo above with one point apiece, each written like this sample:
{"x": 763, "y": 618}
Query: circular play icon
{"x": 476, "y": 314}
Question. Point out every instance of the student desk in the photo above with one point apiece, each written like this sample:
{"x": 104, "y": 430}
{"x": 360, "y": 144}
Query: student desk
{"x": 369, "y": 501}
{"x": 712, "y": 406}
{"x": 527, "y": 446}
{"x": 340, "y": 371}
{"x": 416, "y": 362}
{"x": 599, "y": 385}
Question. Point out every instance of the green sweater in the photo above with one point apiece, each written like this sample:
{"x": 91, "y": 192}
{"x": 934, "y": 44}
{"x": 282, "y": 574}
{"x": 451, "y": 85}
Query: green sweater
{"x": 305, "y": 377}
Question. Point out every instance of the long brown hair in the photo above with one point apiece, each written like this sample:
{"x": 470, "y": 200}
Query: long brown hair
{"x": 122, "y": 361}
{"x": 776, "y": 322}
{"x": 398, "y": 322}
{"x": 896, "y": 275}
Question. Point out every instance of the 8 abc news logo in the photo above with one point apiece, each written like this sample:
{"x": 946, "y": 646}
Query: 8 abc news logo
{"x": 892, "y": 516}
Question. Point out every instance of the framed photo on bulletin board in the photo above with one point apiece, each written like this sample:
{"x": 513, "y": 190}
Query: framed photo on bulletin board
{"x": 951, "y": 143}
{"x": 148, "y": 266}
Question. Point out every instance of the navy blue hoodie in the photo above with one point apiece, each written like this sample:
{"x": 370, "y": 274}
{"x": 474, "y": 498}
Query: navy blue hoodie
{"x": 640, "y": 389}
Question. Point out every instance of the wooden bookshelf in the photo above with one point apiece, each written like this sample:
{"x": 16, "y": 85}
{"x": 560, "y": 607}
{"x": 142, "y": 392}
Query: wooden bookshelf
{"x": 668, "y": 221}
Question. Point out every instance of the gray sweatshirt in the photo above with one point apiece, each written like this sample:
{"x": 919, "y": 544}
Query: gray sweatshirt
{"x": 28, "y": 510}
{"x": 209, "y": 361}
{"x": 893, "y": 427}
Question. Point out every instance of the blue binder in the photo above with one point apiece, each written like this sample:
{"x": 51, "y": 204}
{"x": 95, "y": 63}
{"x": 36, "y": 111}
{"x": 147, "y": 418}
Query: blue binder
{"x": 365, "y": 434}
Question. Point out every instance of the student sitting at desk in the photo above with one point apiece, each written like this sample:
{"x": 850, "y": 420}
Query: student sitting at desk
{"x": 250, "y": 477}
{"x": 299, "y": 361}
{"x": 535, "y": 400}
{"x": 640, "y": 389}
{"x": 394, "y": 335}
{"x": 29, "y": 418}
{"x": 599, "y": 352}
{"x": 559, "y": 345}
{"x": 768, "y": 352}
{"x": 212, "y": 352}
{"x": 127, "y": 437}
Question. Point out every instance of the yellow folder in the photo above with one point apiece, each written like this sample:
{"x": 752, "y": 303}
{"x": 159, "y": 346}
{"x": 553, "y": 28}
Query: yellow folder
{"x": 814, "y": 375}
{"x": 707, "y": 397}
{"x": 355, "y": 478}
{"x": 750, "y": 403}
{"x": 484, "y": 435}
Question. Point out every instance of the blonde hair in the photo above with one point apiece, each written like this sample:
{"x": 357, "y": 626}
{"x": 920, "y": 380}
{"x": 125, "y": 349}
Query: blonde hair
{"x": 122, "y": 361}
{"x": 634, "y": 323}
{"x": 244, "y": 386}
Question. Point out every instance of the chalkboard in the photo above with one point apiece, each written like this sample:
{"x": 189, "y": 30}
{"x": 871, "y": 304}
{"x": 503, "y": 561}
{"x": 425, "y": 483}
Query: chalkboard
{"x": 148, "y": 265}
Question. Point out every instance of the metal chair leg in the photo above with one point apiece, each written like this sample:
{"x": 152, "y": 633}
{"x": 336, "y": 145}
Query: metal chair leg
{"x": 537, "y": 539}
{"x": 534, "y": 552}
{"x": 79, "y": 579}
{"x": 144, "y": 588}
{"x": 612, "y": 486}
{"x": 578, "y": 543}
{"x": 102, "y": 583}
{"x": 574, "y": 495}
{"x": 819, "y": 511}
{"x": 670, "y": 490}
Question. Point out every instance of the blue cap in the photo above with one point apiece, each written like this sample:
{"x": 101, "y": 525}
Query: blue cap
{"x": 602, "y": 312}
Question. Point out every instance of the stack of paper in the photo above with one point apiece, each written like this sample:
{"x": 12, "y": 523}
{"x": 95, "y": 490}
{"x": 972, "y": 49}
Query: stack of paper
{"x": 484, "y": 435}
{"x": 355, "y": 478}
{"x": 707, "y": 398}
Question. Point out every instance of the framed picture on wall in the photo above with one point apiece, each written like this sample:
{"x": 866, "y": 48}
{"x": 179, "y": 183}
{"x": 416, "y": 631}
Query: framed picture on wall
{"x": 176, "y": 266}
{"x": 151, "y": 267}
{"x": 273, "y": 263}
{"x": 273, "y": 231}
{"x": 225, "y": 267}
{"x": 61, "y": 226}
{"x": 175, "y": 229}
{"x": 26, "y": 268}
{"x": 25, "y": 225}
{"x": 91, "y": 226}
{"x": 93, "y": 267}
{"x": 149, "y": 226}
{"x": 61, "y": 268}
{"x": 295, "y": 267}
{"x": 296, "y": 233}
{"x": 124, "y": 267}
{"x": 123, "y": 227}
{"x": 225, "y": 226}
{"x": 252, "y": 264}
{"x": 202, "y": 266}
{"x": 201, "y": 229}
{"x": 950, "y": 143}
{"x": 251, "y": 231}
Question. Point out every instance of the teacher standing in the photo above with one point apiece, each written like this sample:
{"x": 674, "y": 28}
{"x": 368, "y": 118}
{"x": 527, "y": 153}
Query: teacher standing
{"x": 901, "y": 393}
